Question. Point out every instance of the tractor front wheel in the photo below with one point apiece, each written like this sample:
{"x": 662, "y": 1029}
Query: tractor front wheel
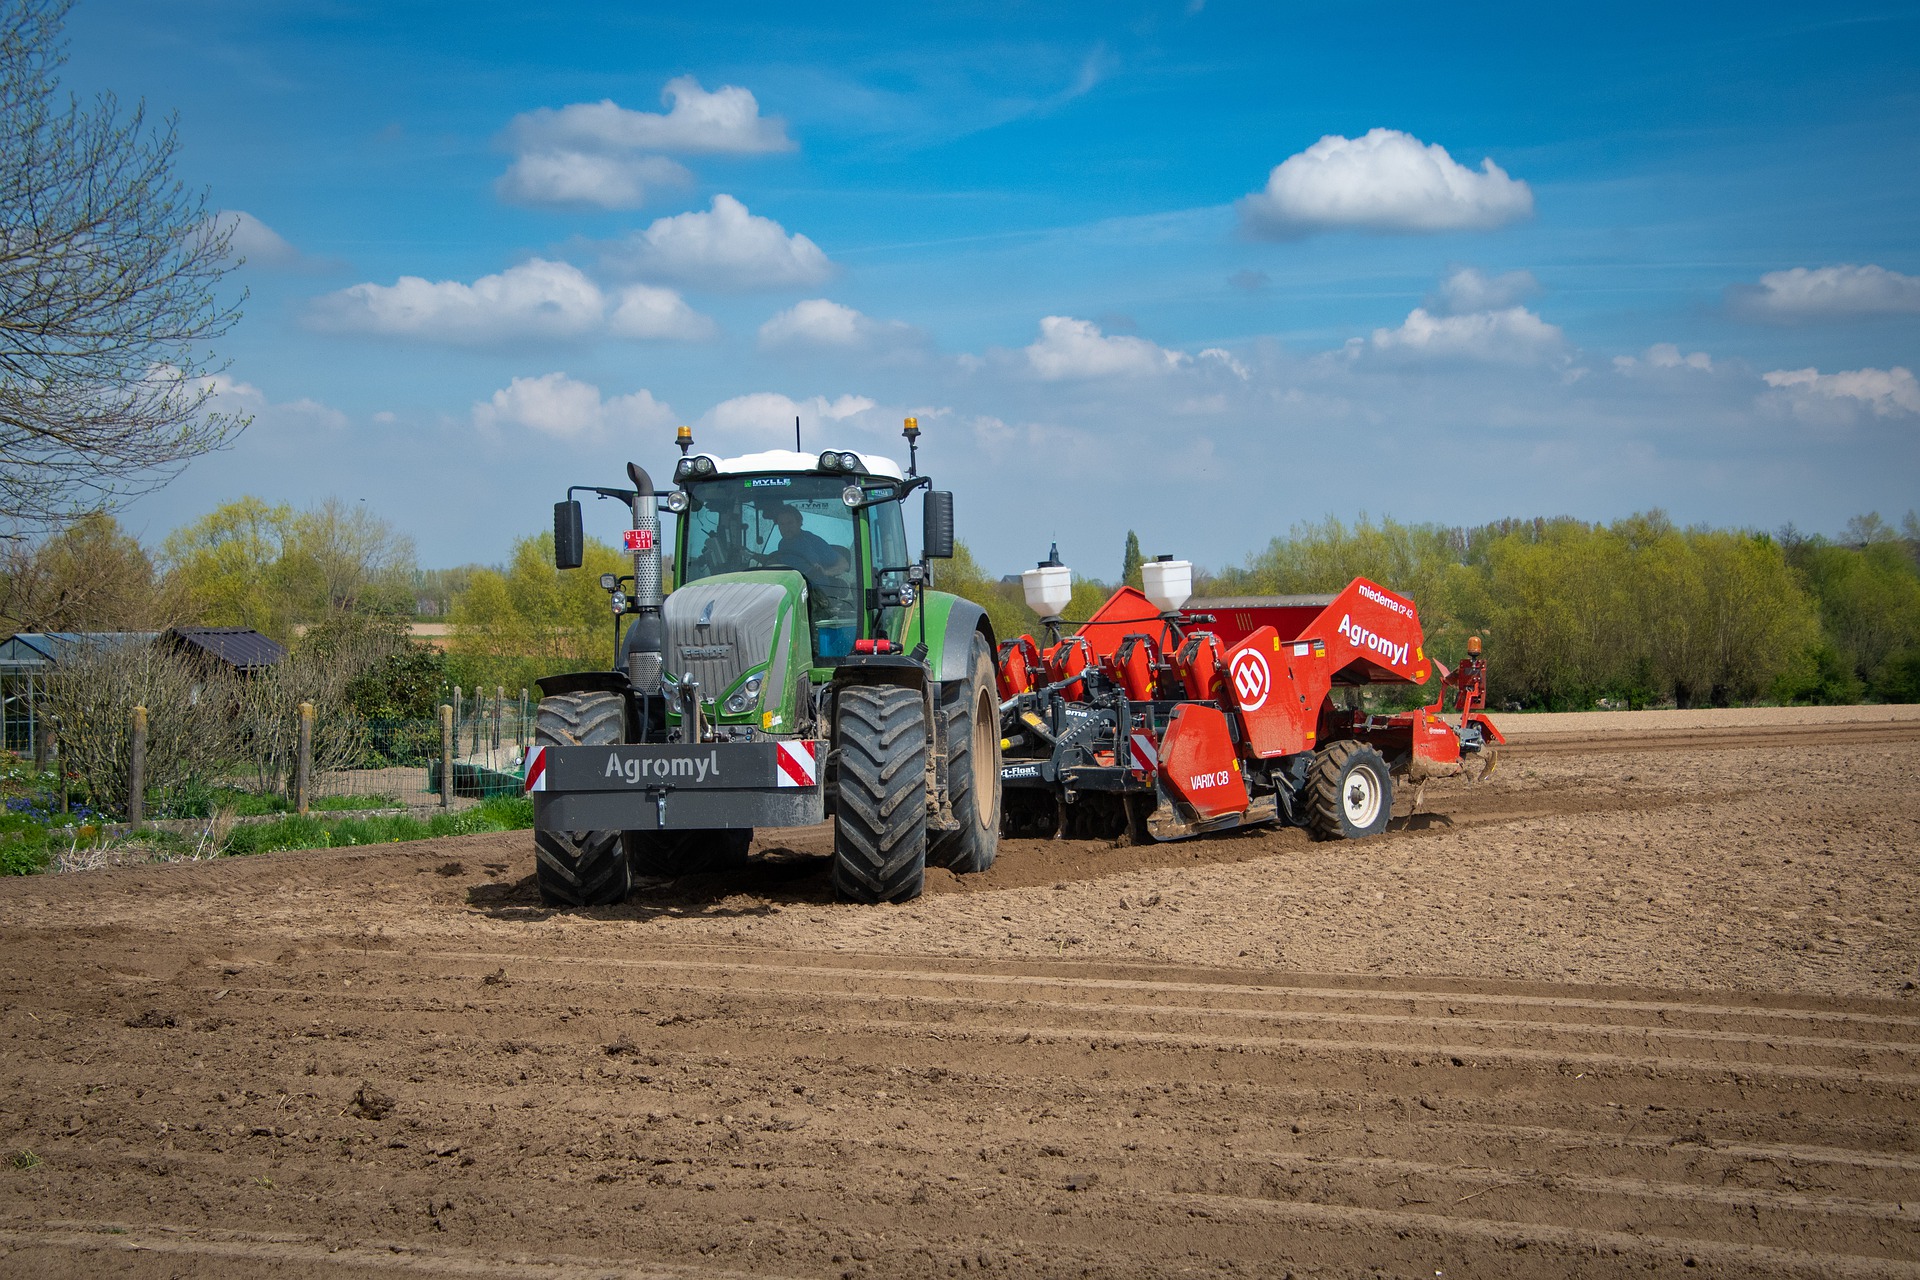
{"x": 1349, "y": 792}
{"x": 581, "y": 868}
{"x": 880, "y": 815}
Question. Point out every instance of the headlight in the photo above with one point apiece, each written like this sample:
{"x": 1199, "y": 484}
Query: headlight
{"x": 703, "y": 465}
{"x": 676, "y": 502}
{"x": 739, "y": 702}
{"x": 753, "y": 683}
{"x": 829, "y": 461}
{"x": 851, "y": 495}
{"x": 849, "y": 462}
{"x": 683, "y": 468}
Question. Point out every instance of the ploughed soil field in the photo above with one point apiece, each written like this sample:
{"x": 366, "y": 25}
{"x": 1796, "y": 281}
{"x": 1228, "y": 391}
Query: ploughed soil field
{"x": 1643, "y": 1002}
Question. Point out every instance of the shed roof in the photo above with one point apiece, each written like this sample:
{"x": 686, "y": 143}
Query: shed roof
{"x": 242, "y": 648}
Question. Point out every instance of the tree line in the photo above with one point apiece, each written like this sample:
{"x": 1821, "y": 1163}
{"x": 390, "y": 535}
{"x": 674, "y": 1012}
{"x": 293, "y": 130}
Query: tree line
{"x": 1636, "y": 612}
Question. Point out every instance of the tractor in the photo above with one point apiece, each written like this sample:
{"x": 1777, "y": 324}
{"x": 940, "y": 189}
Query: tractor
{"x": 802, "y": 667}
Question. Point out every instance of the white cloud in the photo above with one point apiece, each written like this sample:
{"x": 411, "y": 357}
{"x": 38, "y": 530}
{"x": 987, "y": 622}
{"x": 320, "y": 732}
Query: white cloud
{"x": 726, "y": 121}
{"x": 1069, "y": 348}
{"x": 254, "y": 240}
{"x": 1885, "y": 391}
{"x": 603, "y": 155}
{"x": 1514, "y": 335}
{"x": 726, "y": 247}
{"x": 1664, "y": 355}
{"x": 1828, "y": 293}
{"x": 821, "y": 323}
{"x": 768, "y": 416}
{"x": 1470, "y": 289}
{"x": 1385, "y": 181}
{"x": 536, "y": 299}
{"x": 646, "y": 311}
{"x": 578, "y": 178}
{"x": 226, "y": 394}
{"x": 565, "y": 408}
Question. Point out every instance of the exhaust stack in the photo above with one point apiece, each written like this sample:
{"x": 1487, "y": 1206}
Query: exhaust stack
{"x": 647, "y": 634}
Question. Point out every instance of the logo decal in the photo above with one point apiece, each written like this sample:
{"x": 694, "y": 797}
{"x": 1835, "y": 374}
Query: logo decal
{"x": 770, "y": 482}
{"x": 1251, "y": 679}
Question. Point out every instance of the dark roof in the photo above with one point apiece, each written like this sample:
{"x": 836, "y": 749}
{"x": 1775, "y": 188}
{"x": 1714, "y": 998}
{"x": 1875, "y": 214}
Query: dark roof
{"x": 239, "y": 647}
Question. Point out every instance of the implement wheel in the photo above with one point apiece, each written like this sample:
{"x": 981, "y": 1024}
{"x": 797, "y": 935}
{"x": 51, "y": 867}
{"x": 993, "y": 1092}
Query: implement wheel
{"x": 1349, "y": 792}
{"x": 971, "y": 710}
{"x": 880, "y": 815}
{"x": 581, "y": 868}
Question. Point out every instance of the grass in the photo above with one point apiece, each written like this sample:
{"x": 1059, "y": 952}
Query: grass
{"x": 501, "y": 813}
{"x": 35, "y": 835}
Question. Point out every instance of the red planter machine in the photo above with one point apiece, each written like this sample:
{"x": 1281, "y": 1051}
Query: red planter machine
{"x": 1219, "y": 713}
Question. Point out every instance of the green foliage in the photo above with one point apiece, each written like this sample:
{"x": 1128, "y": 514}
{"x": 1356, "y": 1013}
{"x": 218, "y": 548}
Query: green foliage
{"x": 1130, "y": 562}
{"x": 506, "y": 813}
{"x": 405, "y": 685}
{"x": 1868, "y": 596}
{"x": 530, "y": 620}
{"x": 249, "y": 564}
{"x": 1005, "y": 607}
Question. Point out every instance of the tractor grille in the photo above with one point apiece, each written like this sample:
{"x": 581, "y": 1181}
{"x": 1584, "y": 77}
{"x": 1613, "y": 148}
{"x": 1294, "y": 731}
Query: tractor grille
{"x": 719, "y": 631}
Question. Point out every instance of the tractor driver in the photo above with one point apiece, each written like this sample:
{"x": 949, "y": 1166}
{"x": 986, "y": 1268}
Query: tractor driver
{"x": 804, "y": 549}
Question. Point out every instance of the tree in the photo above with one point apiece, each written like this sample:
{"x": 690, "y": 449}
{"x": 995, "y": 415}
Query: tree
{"x": 1130, "y": 562}
{"x": 514, "y": 625}
{"x": 91, "y": 576}
{"x": 248, "y": 564}
{"x": 109, "y": 272}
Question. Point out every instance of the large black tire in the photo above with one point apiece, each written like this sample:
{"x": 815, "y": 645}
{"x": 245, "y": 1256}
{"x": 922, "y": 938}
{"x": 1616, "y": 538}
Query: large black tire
{"x": 970, "y": 709}
{"x": 880, "y": 819}
{"x": 687, "y": 853}
{"x": 581, "y": 868}
{"x": 1349, "y": 792}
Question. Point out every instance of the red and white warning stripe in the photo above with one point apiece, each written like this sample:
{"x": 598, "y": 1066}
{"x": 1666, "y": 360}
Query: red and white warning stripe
{"x": 536, "y": 770}
{"x": 1146, "y": 757}
{"x": 796, "y": 763}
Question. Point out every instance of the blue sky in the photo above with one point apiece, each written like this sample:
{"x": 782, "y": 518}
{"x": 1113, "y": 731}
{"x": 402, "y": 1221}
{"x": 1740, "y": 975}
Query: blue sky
{"x": 1200, "y": 270}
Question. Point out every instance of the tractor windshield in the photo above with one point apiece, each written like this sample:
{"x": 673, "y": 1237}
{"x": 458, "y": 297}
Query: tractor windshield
{"x": 736, "y": 523}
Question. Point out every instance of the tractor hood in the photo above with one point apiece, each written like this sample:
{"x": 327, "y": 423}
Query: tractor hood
{"x": 720, "y": 630}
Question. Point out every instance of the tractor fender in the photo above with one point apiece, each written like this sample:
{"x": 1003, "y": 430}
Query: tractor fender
{"x": 950, "y": 659}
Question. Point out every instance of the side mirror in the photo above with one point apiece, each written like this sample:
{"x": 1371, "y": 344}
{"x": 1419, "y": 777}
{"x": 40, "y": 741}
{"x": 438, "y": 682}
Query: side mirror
{"x": 936, "y": 539}
{"x": 569, "y": 537}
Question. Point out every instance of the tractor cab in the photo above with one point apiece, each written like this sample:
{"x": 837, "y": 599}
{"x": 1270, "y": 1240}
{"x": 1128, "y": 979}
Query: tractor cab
{"x": 784, "y": 510}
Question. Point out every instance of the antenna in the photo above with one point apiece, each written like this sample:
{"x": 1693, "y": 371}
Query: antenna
{"x": 796, "y": 434}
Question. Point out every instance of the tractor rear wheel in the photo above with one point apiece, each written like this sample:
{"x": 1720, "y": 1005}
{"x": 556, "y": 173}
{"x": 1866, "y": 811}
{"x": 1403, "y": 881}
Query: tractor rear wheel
{"x": 880, "y": 816}
{"x": 971, "y": 710}
{"x": 1349, "y": 792}
{"x": 687, "y": 853}
{"x": 581, "y": 868}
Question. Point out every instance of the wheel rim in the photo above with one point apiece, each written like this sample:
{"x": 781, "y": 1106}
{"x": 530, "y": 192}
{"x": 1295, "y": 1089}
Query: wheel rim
{"x": 1360, "y": 797}
{"x": 985, "y": 774}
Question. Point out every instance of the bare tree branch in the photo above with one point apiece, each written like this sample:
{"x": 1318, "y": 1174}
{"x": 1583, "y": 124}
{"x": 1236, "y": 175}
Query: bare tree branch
{"x": 109, "y": 271}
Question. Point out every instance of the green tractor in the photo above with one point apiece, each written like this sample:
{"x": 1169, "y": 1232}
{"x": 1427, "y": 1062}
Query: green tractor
{"x": 801, "y": 668}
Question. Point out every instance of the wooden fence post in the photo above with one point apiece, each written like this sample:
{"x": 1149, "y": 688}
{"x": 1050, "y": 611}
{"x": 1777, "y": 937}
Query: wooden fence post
{"x": 446, "y": 754}
{"x": 499, "y": 709}
{"x": 303, "y": 761}
{"x": 137, "y": 770}
{"x": 520, "y": 734}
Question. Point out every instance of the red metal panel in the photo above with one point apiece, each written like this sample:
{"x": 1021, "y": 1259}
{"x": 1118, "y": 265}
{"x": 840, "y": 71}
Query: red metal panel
{"x": 1278, "y": 687}
{"x": 1197, "y": 762}
{"x": 1374, "y": 631}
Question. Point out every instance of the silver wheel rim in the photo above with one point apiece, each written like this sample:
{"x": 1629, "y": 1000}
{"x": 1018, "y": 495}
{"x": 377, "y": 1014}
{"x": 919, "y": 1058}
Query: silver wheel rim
{"x": 1360, "y": 797}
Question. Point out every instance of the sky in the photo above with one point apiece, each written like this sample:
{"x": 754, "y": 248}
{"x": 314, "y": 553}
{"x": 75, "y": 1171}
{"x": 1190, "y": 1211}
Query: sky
{"x": 1202, "y": 269}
